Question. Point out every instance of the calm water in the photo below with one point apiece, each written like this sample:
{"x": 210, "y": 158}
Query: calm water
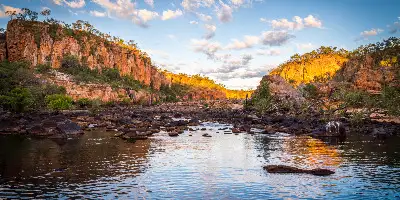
{"x": 222, "y": 167}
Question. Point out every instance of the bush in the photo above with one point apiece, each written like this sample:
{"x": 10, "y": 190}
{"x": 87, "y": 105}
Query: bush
{"x": 262, "y": 99}
{"x": 310, "y": 91}
{"x": 390, "y": 100}
{"x": 59, "y": 102}
{"x": 17, "y": 100}
{"x": 43, "y": 68}
{"x": 84, "y": 103}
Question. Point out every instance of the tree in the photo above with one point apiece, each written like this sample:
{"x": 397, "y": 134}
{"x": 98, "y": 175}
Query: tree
{"x": 46, "y": 12}
{"x": 12, "y": 14}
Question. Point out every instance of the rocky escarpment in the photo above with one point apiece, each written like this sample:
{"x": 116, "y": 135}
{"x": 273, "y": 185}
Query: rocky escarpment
{"x": 41, "y": 43}
{"x": 368, "y": 73}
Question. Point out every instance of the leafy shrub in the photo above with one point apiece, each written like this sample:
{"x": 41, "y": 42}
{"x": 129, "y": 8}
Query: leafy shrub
{"x": 262, "y": 99}
{"x": 17, "y": 100}
{"x": 110, "y": 74}
{"x": 84, "y": 102}
{"x": 310, "y": 91}
{"x": 390, "y": 100}
{"x": 59, "y": 102}
{"x": 43, "y": 68}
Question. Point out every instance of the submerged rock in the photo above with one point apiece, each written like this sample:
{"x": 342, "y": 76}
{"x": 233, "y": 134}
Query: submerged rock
{"x": 283, "y": 169}
{"x": 335, "y": 128}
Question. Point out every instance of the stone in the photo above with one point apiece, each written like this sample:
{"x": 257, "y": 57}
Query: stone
{"x": 283, "y": 169}
{"x": 335, "y": 128}
{"x": 69, "y": 128}
{"x": 173, "y": 134}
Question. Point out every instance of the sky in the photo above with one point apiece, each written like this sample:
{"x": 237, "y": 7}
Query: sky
{"x": 234, "y": 42}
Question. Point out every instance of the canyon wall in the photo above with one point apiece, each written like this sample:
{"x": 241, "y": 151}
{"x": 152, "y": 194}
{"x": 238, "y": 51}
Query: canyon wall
{"x": 39, "y": 43}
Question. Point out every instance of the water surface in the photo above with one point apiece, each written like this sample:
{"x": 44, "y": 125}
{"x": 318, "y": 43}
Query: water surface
{"x": 225, "y": 166}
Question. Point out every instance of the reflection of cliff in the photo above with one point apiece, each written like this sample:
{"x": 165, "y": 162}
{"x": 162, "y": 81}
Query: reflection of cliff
{"x": 299, "y": 151}
{"x": 311, "y": 152}
{"x": 94, "y": 156}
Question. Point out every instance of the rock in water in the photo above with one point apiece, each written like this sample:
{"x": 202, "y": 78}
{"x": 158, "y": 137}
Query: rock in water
{"x": 283, "y": 169}
{"x": 69, "y": 128}
{"x": 335, "y": 128}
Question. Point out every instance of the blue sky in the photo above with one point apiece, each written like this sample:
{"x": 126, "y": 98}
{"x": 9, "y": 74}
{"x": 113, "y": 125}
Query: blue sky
{"x": 234, "y": 42}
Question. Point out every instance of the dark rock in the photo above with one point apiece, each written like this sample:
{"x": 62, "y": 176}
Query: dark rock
{"x": 282, "y": 169}
{"x": 206, "y": 135}
{"x": 335, "y": 128}
{"x": 173, "y": 134}
{"x": 69, "y": 128}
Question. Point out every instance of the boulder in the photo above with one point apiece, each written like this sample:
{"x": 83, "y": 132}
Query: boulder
{"x": 283, "y": 169}
{"x": 69, "y": 128}
{"x": 335, "y": 128}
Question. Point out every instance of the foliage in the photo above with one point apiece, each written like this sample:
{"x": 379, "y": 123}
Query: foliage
{"x": 43, "y": 68}
{"x": 262, "y": 99}
{"x": 390, "y": 100}
{"x": 173, "y": 93}
{"x": 310, "y": 91}
{"x": 59, "y": 102}
{"x": 17, "y": 100}
{"x": 84, "y": 102}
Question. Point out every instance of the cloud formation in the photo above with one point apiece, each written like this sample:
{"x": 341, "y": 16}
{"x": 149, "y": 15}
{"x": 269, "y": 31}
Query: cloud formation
{"x": 75, "y": 3}
{"x": 205, "y": 46}
{"x": 98, "y": 14}
{"x": 191, "y": 5}
{"x": 210, "y": 31}
{"x": 170, "y": 14}
{"x": 224, "y": 12}
{"x": 297, "y": 23}
{"x": 368, "y": 33}
{"x": 275, "y": 38}
{"x": 248, "y": 42}
{"x": 149, "y": 2}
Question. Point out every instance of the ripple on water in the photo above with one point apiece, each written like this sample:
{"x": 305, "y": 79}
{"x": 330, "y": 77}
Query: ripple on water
{"x": 225, "y": 166}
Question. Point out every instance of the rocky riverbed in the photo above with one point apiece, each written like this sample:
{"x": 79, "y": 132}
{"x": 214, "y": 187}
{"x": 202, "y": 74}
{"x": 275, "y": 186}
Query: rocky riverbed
{"x": 139, "y": 122}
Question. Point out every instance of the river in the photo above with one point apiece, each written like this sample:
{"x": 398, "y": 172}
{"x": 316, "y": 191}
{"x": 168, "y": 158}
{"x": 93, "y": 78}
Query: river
{"x": 224, "y": 166}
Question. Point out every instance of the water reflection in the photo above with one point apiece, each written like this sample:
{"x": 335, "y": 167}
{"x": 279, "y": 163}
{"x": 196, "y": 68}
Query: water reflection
{"x": 225, "y": 166}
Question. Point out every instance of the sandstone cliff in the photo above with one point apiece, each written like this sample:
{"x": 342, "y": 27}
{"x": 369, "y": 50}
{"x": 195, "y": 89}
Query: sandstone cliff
{"x": 40, "y": 43}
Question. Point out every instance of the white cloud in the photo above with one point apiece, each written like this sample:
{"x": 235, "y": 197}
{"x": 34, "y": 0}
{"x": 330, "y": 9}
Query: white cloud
{"x": 297, "y": 23}
{"x": 229, "y": 65}
{"x": 210, "y": 31}
{"x": 263, "y": 20}
{"x": 305, "y": 47}
{"x": 204, "y": 17}
{"x": 75, "y": 3}
{"x": 127, "y": 10}
{"x": 237, "y": 2}
{"x": 4, "y": 9}
{"x": 311, "y": 21}
{"x": 272, "y": 52}
{"x": 58, "y": 2}
{"x": 368, "y": 33}
{"x": 146, "y": 15}
{"x": 224, "y": 12}
{"x": 193, "y": 22}
{"x": 98, "y": 14}
{"x": 395, "y": 27}
{"x": 121, "y": 8}
{"x": 371, "y": 32}
{"x": 191, "y": 5}
{"x": 248, "y": 42}
{"x": 149, "y": 2}
{"x": 205, "y": 46}
{"x": 170, "y": 14}
{"x": 275, "y": 38}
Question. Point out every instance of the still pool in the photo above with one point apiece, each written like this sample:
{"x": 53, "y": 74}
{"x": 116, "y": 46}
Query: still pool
{"x": 224, "y": 166}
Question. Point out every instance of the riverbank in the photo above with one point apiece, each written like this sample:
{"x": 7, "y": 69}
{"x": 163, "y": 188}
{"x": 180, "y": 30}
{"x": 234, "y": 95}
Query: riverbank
{"x": 175, "y": 117}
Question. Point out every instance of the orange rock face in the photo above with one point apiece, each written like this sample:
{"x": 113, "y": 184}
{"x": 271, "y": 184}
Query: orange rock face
{"x": 35, "y": 44}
